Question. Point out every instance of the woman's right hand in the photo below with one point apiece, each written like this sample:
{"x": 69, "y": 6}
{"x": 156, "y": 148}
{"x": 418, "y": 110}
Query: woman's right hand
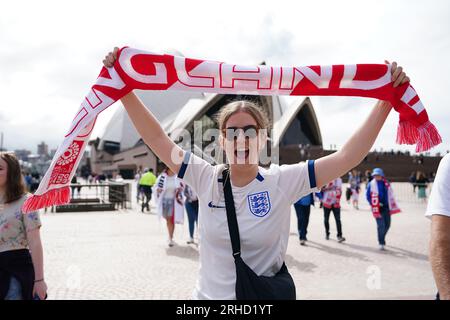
{"x": 110, "y": 58}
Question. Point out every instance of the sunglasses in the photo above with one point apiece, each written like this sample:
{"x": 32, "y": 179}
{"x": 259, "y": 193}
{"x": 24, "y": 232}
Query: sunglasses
{"x": 232, "y": 133}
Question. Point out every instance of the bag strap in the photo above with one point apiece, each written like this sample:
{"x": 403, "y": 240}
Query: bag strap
{"x": 231, "y": 214}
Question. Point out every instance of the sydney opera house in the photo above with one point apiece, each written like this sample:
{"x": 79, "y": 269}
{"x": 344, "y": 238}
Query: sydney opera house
{"x": 120, "y": 150}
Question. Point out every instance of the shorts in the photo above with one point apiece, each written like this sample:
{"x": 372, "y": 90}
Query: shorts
{"x": 168, "y": 208}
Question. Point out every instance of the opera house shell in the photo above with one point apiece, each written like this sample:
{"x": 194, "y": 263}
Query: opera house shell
{"x": 293, "y": 129}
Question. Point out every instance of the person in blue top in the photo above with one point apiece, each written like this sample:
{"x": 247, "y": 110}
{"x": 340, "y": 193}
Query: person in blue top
{"x": 303, "y": 209}
{"x": 377, "y": 195}
{"x": 28, "y": 181}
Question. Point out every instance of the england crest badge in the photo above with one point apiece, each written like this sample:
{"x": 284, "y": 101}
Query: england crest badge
{"x": 259, "y": 203}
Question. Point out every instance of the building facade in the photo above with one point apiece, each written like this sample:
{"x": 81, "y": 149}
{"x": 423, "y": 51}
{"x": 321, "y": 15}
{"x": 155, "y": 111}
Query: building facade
{"x": 120, "y": 150}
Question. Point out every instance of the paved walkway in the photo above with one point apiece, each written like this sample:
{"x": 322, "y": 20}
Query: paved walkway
{"x": 123, "y": 255}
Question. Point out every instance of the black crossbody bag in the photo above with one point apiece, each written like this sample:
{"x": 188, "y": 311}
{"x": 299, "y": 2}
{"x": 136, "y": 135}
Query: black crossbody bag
{"x": 250, "y": 286}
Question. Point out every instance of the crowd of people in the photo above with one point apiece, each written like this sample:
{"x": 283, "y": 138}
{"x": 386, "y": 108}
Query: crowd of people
{"x": 172, "y": 197}
{"x": 379, "y": 195}
{"x": 32, "y": 181}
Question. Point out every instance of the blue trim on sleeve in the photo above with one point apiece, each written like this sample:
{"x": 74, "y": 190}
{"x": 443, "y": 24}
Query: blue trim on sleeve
{"x": 312, "y": 174}
{"x": 259, "y": 177}
{"x": 184, "y": 165}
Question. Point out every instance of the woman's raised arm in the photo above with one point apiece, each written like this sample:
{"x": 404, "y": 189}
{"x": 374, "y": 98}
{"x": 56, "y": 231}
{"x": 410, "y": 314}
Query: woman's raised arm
{"x": 358, "y": 146}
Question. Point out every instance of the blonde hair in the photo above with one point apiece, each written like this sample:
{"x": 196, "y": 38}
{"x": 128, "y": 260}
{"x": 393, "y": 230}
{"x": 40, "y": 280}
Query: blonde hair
{"x": 249, "y": 107}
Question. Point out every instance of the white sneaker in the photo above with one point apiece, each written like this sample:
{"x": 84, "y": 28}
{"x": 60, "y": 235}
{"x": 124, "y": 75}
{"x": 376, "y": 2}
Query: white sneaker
{"x": 171, "y": 243}
{"x": 382, "y": 248}
{"x": 191, "y": 241}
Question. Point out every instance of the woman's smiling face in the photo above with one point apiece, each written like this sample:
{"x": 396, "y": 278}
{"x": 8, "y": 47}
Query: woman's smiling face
{"x": 241, "y": 139}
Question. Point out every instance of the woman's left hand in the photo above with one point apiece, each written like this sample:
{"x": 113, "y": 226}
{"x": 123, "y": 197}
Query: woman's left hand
{"x": 399, "y": 77}
{"x": 40, "y": 290}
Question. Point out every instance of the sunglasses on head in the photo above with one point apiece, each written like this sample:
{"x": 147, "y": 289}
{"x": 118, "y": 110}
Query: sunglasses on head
{"x": 232, "y": 133}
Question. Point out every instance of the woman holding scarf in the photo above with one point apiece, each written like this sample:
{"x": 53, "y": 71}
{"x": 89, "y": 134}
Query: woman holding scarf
{"x": 21, "y": 254}
{"x": 381, "y": 198}
{"x": 262, "y": 198}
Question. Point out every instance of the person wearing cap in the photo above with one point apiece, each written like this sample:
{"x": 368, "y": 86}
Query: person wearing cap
{"x": 380, "y": 196}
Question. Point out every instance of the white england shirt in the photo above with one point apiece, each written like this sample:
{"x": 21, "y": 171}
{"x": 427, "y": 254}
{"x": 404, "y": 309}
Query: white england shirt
{"x": 439, "y": 202}
{"x": 263, "y": 213}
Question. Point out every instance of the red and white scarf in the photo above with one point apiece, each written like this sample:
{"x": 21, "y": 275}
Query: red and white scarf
{"x": 136, "y": 69}
{"x": 375, "y": 199}
{"x": 332, "y": 194}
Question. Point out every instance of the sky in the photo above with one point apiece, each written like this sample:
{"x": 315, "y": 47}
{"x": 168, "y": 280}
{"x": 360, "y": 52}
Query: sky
{"x": 51, "y": 53}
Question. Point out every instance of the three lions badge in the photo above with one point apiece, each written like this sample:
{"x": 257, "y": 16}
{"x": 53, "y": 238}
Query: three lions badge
{"x": 259, "y": 203}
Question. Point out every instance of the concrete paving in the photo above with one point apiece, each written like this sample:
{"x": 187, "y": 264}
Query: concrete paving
{"x": 124, "y": 255}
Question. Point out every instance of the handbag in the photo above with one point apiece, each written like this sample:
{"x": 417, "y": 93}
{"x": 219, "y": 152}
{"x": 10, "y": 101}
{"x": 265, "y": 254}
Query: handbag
{"x": 250, "y": 286}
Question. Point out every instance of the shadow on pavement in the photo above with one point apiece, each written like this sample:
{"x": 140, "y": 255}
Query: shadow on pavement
{"x": 390, "y": 250}
{"x": 185, "y": 252}
{"x": 291, "y": 262}
{"x": 409, "y": 254}
{"x": 337, "y": 251}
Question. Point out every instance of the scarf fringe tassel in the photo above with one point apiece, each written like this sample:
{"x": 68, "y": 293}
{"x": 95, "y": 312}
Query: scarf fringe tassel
{"x": 53, "y": 197}
{"x": 424, "y": 137}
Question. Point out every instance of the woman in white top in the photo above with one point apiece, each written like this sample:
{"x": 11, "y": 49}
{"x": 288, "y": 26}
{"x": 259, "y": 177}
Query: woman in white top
{"x": 169, "y": 197}
{"x": 262, "y": 197}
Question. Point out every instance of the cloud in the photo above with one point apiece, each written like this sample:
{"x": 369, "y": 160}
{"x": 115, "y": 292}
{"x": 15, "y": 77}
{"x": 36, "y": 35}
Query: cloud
{"x": 3, "y": 118}
{"x": 49, "y": 58}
